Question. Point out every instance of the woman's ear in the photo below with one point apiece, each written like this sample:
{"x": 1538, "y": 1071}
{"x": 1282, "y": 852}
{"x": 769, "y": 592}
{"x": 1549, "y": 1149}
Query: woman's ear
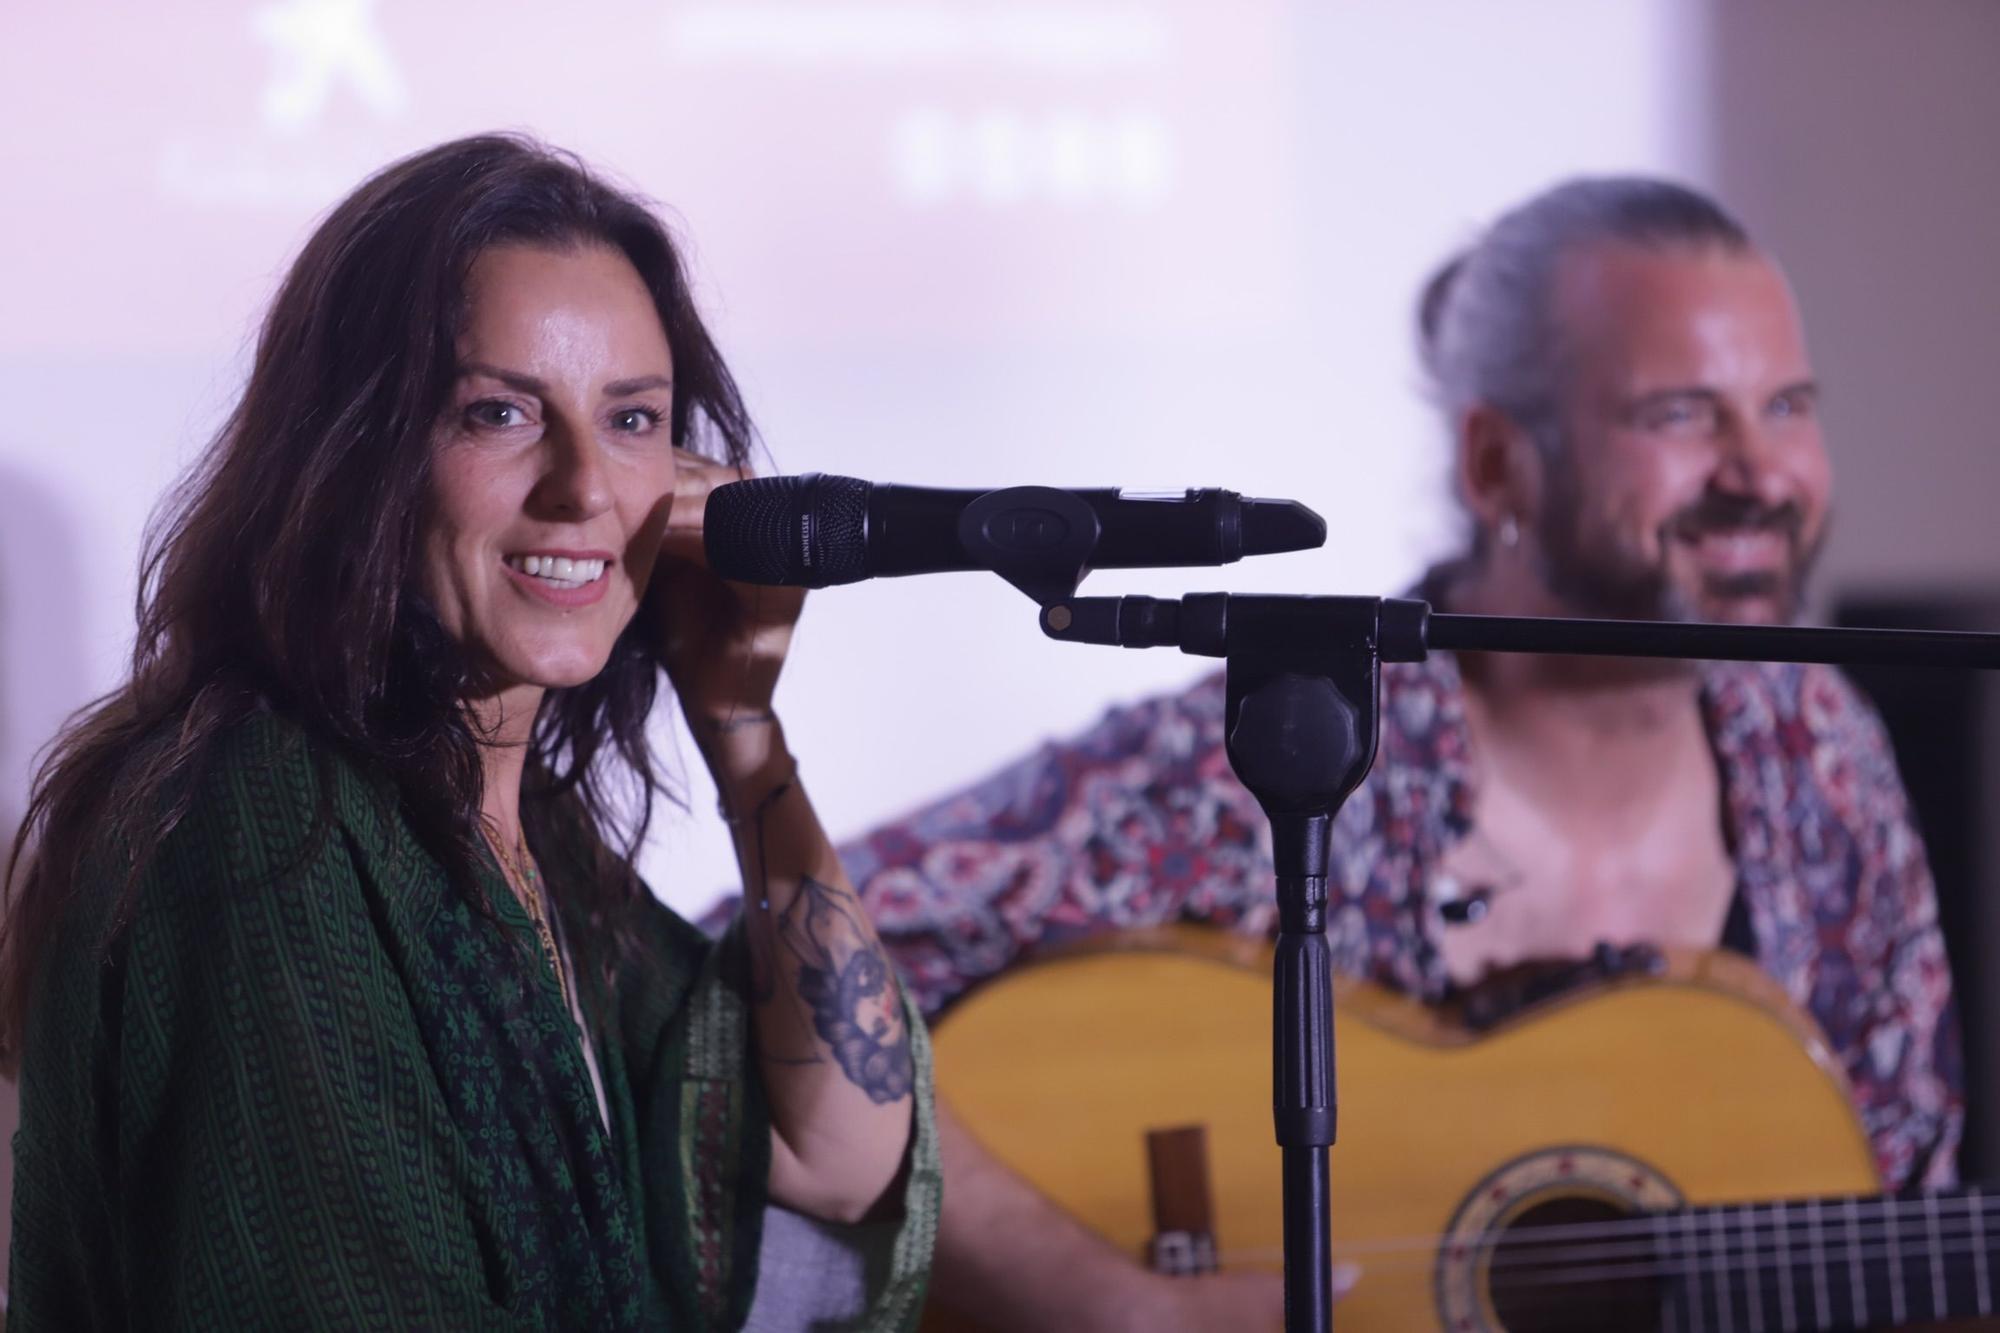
{"x": 1499, "y": 471}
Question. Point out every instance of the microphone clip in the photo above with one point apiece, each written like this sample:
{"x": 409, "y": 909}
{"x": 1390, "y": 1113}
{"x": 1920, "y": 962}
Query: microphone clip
{"x": 1037, "y": 538}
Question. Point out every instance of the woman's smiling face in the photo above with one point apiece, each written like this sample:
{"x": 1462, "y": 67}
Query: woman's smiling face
{"x": 553, "y": 468}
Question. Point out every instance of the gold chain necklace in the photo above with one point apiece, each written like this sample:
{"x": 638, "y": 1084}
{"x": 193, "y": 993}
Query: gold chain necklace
{"x": 526, "y": 882}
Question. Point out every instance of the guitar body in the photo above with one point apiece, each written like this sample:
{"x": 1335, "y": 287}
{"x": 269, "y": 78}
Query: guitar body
{"x": 1702, "y": 1085}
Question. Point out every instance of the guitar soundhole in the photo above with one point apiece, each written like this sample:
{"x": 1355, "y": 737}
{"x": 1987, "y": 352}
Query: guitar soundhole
{"x": 1548, "y": 1286}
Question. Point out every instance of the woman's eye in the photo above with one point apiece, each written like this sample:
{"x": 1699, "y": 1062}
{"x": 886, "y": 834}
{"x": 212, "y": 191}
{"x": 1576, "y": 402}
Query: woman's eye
{"x": 635, "y": 420}
{"x": 495, "y": 415}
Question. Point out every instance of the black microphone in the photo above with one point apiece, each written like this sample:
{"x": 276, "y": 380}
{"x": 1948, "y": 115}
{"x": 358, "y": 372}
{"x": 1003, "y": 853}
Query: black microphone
{"x": 813, "y": 531}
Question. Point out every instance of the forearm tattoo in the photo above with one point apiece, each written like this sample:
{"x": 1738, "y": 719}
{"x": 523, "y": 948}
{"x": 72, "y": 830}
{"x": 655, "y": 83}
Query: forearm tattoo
{"x": 849, "y": 989}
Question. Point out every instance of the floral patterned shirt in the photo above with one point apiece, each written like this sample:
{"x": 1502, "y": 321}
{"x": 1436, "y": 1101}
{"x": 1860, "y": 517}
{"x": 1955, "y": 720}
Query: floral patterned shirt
{"x": 1140, "y": 821}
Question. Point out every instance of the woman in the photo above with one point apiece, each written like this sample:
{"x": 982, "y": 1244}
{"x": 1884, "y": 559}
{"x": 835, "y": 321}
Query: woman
{"x": 334, "y": 1004}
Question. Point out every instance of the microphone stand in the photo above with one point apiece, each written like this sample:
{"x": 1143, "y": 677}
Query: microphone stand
{"x": 1301, "y": 724}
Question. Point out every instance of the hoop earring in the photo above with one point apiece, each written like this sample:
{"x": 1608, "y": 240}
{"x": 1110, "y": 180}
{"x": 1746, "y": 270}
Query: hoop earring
{"x": 1510, "y": 532}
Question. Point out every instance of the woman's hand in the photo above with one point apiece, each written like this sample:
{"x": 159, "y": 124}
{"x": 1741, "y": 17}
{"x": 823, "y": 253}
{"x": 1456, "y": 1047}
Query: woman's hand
{"x": 722, "y": 643}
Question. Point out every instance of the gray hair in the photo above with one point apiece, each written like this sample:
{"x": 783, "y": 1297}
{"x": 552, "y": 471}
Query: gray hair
{"x": 1484, "y": 324}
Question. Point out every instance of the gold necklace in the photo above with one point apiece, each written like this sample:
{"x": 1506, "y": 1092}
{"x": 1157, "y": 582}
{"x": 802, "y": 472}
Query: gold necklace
{"x": 525, "y": 881}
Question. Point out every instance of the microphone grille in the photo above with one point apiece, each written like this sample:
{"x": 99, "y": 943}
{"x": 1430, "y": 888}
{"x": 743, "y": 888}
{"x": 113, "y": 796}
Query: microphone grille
{"x": 839, "y": 506}
{"x": 808, "y": 531}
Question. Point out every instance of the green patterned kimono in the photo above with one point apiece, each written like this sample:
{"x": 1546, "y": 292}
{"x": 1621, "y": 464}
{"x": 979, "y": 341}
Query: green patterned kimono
{"x": 312, "y": 1088}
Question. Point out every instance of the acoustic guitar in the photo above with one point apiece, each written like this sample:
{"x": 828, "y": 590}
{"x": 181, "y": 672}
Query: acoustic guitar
{"x": 1658, "y": 1151}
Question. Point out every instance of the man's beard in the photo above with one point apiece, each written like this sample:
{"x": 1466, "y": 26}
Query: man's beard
{"x": 1612, "y": 585}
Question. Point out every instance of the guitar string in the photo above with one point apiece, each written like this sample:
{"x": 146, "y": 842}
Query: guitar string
{"x": 1833, "y": 1212}
{"x": 1702, "y": 1264}
{"x": 1761, "y": 1270}
{"x": 1835, "y": 1239}
{"x": 1535, "y": 1243}
{"x": 1834, "y": 1246}
{"x": 1835, "y": 1243}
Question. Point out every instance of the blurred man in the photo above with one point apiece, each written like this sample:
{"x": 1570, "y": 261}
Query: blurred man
{"x": 1636, "y": 432}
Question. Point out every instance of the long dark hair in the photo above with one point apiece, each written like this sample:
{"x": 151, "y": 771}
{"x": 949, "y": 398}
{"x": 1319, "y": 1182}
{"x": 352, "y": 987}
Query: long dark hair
{"x": 281, "y": 572}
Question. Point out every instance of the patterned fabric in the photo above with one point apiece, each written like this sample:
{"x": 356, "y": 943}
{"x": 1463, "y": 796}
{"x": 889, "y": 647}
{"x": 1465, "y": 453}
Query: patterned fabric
{"x": 1141, "y": 821}
{"x": 313, "y": 1089}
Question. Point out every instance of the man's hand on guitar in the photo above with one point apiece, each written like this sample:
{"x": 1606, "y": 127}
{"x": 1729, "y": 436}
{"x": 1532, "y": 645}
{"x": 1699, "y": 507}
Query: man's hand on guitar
{"x": 1253, "y": 1302}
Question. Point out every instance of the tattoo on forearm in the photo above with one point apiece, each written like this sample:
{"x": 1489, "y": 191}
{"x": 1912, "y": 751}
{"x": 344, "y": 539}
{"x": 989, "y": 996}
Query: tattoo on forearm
{"x": 849, "y": 990}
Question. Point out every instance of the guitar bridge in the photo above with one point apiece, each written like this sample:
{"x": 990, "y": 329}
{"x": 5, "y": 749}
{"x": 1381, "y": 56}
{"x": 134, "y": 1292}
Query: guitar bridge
{"x": 1183, "y": 1241}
